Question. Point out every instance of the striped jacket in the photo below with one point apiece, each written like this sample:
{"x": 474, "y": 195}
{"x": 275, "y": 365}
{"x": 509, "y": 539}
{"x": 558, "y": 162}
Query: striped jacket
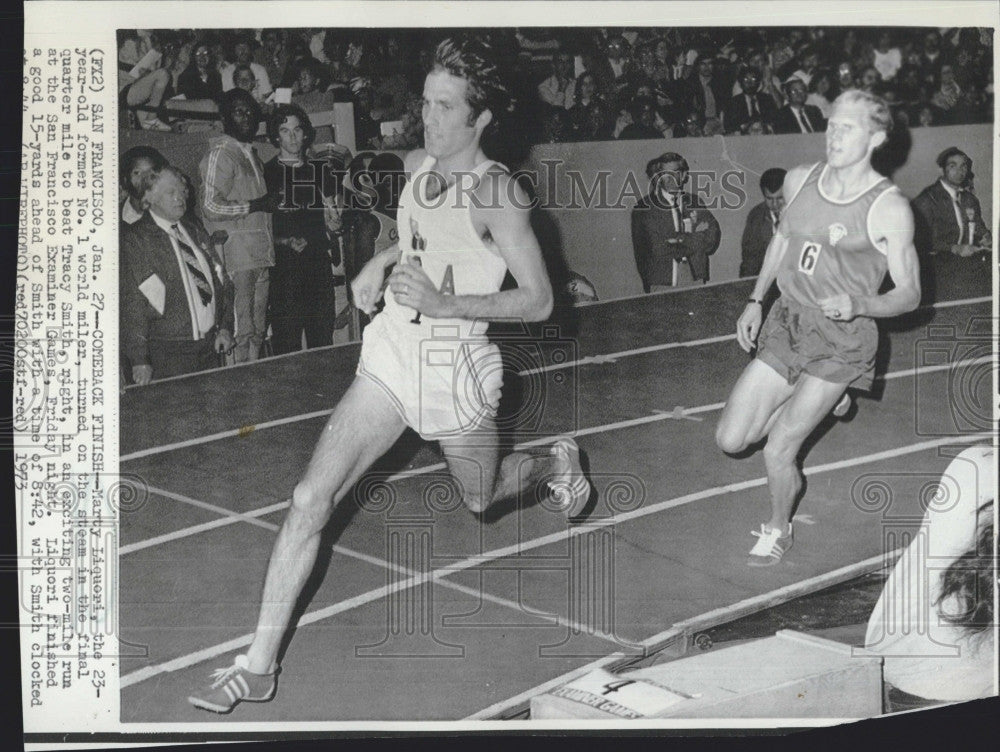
{"x": 232, "y": 175}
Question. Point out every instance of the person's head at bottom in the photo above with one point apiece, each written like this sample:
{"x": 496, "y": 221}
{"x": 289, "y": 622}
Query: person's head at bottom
{"x": 771, "y": 183}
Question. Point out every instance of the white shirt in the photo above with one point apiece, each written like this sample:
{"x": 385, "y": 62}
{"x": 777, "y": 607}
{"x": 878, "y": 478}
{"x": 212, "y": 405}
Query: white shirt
{"x": 261, "y": 88}
{"x": 202, "y": 316}
{"x": 953, "y": 192}
{"x": 888, "y": 63}
{"x": 550, "y": 93}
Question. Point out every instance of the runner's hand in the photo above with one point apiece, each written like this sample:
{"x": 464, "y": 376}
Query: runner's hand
{"x": 366, "y": 288}
{"x": 839, "y": 307}
{"x": 412, "y": 287}
{"x": 748, "y": 325}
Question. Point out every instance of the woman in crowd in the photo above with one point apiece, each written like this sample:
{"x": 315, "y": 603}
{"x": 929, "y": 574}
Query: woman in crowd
{"x": 589, "y": 113}
{"x": 301, "y": 296}
{"x": 143, "y": 87}
{"x": 201, "y": 79}
{"x": 821, "y": 92}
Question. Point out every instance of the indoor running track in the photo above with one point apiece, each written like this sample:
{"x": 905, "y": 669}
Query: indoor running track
{"x": 419, "y": 611}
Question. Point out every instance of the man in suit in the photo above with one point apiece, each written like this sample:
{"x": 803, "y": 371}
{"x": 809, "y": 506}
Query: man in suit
{"x": 797, "y": 116}
{"x": 762, "y": 222}
{"x": 707, "y": 91}
{"x": 673, "y": 234}
{"x": 176, "y": 305}
{"x": 749, "y": 105}
{"x": 948, "y": 215}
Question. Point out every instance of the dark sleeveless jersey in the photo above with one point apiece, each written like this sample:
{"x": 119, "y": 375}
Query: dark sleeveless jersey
{"x": 830, "y": 248}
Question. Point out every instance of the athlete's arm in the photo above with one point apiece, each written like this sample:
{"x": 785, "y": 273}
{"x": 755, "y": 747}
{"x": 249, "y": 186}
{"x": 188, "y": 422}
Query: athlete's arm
{"x": 506, "y": 217}
{"x": 367, "y": 287}
{"x": 748, "y": 325}
{"x": 893, "y": 225}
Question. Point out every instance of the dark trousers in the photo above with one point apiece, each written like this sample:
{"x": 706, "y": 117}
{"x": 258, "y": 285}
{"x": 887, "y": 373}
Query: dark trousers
{"x": 176, "y": 357}
{"x": 301, "y": 300}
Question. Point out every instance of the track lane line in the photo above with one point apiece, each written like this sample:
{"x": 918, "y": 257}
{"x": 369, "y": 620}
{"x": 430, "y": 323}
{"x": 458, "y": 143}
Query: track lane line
{"x": 232, "y": 518}
{"x": 471, "y": 562}
{"x": 592, "y": 359}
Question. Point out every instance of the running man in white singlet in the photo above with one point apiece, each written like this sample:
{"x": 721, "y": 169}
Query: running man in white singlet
{"x": 425, "y": 360}
{"x": 843, "y": 228}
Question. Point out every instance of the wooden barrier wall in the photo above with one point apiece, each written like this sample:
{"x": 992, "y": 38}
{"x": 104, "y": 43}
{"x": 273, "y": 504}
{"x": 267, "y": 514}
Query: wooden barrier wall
{"x": 596, "y": 242}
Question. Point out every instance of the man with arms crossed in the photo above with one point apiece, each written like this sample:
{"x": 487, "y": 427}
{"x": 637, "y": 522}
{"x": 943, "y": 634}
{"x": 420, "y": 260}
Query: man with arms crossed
{"x": 458, "y": 215}
{"x": 843, "y": 228}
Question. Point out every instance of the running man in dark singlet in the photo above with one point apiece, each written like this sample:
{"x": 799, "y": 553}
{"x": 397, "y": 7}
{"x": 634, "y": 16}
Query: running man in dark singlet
{"x": 425, "y": 360}
{"x": 843, "y": 228}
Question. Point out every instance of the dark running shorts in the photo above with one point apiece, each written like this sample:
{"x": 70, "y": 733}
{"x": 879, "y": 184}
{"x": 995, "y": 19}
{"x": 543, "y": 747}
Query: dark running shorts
{"x": 795, "y": 340}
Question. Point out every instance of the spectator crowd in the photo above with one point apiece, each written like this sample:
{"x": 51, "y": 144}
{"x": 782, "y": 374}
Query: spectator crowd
{"x": 575, "y": 84}
{"x": 226, "y": 266}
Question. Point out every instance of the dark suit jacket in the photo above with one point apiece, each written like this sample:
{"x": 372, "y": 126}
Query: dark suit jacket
{"x": 147, "y": 250}
{"x": 691, "y": 96}
{"x": 653, "y": 226}
{"x": 936, "y": 229}
{"x": 757, "y": 234}
{"x": 737, "y": 114}
{"x": 786, "y": 122}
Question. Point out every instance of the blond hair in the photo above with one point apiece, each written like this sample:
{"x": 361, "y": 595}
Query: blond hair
{"x": 879, "y": 114}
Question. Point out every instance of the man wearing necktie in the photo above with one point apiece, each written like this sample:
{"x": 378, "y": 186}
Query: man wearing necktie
{"x": 762, "y": 222}
{"x": 949, "y": 216}
{"x": 797, "y": 116}
{"x": 749, "y": 105}
{"x": 673, "y": 234}
{"x": 176, "y": 302}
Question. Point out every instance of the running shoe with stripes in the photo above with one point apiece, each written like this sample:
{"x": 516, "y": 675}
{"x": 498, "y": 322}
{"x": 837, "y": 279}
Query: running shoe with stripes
{"x": 771, "y": 545}
{"x": 841, "y": 408}
{"x": 233, "y": 685}
{"x": 570, "y": 488}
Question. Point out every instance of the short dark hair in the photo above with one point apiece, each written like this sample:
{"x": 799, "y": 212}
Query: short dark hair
{"x": 133, "y": 155}
{"x": 772, "y": 180}
{"x": 229, "y": 101}
{"x": 243, "y": 67}
{"x": 281, "y": 113}
{"x": 951, "y": 151}
{"x": 652, "y": 166}
{"x": 475, "y": 61}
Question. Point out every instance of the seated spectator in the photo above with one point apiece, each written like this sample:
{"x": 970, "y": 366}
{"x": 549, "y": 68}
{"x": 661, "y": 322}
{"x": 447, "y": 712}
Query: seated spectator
{"x": 612, "y": 68}
{"x": 557, "y": 89}
{"x": 888, "y": 58}
{"x": 822, "y": 93}
{"x": 924, "y": 116}
{"x": 273, "y": 56}
{"x": 762, "y": 222}
{"x": 870, "y": 81}
{"x": 691, "y": 126}
{"x": 243, "y": 78}
{"x": 301, "y": 296}
{"x": 797, "y": 116}
{"x": 243, "y": 56}
{"x": 947, "y": 94}
{"x": 706, "y": 91}
{"x": 141, "y": 87}
{"x": 809, "y": 58}
{"x": 749, "y": 105}
{"x": 176, "y": 305}
{"x": 673, "y": 234}
{"x": 947, "y": 214}
{"x": 136, "y": 164}
{"x": 589, "y": 113}
{"x": 642, "y": 114}
{"x": 759, "y": 128}
{"x": 933, "y": 623}
{"x": 310, "y": 88}
{"x": 201, "y": 79}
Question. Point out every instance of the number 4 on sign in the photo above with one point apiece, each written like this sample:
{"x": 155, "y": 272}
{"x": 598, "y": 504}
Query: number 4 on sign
{"x": 615, "y": 686}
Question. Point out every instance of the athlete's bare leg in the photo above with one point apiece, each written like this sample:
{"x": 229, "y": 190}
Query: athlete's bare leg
{"x": 753, "y": 405}
{"x": 474, "y": 462}
{"x": 363, "y": 426}
{"x": 810, "y": 402}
